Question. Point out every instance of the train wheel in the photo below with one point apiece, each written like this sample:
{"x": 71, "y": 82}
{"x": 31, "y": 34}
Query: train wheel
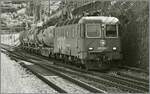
{"x": 92, "y": 65}
{"x": 58, "y": 56}
{"x": 86, "y": 67}
{"x": 82, "y": 65}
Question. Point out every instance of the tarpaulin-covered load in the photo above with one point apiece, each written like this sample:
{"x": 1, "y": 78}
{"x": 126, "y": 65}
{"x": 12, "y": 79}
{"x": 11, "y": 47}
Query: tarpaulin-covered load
{"x": 33, "y": 36}
{"x": 48, "y": 36}
{"x": 23, "y": 36}
{"x": 40, "y": 36}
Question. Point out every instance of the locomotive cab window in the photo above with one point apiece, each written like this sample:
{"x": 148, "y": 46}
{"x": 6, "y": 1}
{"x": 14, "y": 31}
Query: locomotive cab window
{"x": 93, "y": 30}
{"x": 111, "y": 31}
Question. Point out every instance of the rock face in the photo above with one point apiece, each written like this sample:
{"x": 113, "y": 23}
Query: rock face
{"x": 135, "y": 36}
{"x": 133, "y": 16}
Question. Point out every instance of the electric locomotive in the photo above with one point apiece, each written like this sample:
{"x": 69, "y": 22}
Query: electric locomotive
{"x": 91, "y": 42}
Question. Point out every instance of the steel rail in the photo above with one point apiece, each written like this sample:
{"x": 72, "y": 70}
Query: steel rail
{"x": 126, "y": 80}
{"x": 132, "y": 77}
{"x": 102, "y": 80}
{"x": 55, "y": 87}
{"x": 134, "y": 69}
{"x": 78, "y": 82}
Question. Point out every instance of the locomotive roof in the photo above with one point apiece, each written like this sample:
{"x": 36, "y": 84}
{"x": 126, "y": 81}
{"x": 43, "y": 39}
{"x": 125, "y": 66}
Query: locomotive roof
{"x": 101, "y": 19}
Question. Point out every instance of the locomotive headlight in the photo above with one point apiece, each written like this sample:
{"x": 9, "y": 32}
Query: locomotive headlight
{"x": 114, "y": 48}
{"x": 90, "y": 48}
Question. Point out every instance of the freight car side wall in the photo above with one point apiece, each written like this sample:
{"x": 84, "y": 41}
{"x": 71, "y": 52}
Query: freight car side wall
{"x": 66, "y": 39}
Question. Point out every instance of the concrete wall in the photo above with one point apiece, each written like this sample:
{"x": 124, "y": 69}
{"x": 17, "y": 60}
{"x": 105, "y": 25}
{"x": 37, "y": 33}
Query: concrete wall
{"x": 10, "y": 39}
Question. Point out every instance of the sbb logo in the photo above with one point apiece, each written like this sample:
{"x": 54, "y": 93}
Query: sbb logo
{"x": 102, "y": 43}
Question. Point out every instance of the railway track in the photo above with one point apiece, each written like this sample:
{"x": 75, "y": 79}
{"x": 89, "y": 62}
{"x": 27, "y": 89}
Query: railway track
{"x": 55, "y": 87}
{"x": 76, "y": 85}
{"x": 62, "y": 74}
{"x": 134, "y": 69}
{"x": 108, "y": 80}
{"x": 103, "y": 79}
{"x": 100, "y": 81}
{"x": 119, "y": 79}
{"x": 125, "y": 75}
{"x": 75, "y": 81}
{"x": 130, "y": 83}
{"x": 79, "y": 83}
{"x": 136, "y": 74}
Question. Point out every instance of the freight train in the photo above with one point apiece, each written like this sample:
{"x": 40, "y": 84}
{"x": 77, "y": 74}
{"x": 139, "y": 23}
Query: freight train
{"x": 91, "y": 42}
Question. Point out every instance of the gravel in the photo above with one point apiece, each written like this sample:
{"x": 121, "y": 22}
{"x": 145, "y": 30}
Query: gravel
{"x": 15, "y": 79}
{"x": 58, "y": 81}
{"x": 138, "y": 75}
{"x": 66, "y": 85}
{"x": 102, "y": 86}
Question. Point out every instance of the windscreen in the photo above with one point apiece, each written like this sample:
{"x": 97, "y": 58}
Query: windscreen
{"x": 111, "y": 31}
{"x": 93, "y": 30}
